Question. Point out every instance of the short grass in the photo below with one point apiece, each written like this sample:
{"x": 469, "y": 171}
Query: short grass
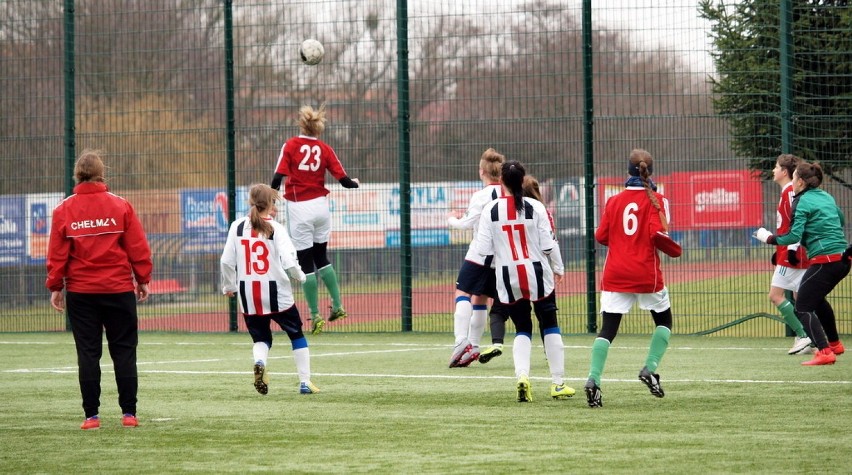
{"x": 389, "y": 404}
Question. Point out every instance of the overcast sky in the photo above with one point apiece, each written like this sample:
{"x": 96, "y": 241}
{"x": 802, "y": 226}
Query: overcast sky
{"x": 671, "y": 25}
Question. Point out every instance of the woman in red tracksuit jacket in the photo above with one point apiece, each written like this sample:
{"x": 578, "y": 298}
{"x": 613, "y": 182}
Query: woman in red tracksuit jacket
{"x": 99, "y": 253}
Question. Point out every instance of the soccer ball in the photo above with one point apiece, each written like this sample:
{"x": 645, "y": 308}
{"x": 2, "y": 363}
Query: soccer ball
{"x": 311, "y": 51}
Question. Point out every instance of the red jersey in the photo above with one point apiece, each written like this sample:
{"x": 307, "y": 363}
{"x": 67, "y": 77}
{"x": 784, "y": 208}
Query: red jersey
{"x": 304, "y": 160}
{"x": 783, "y": 220}
{"x": 628, "y": 223}
{"x": 97, "y": 245}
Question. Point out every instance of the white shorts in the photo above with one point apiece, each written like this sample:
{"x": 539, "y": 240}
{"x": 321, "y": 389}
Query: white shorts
{"x": 308, "y": 222}
{"x": 621, "y": 302}
{"x": 787, "y": 278}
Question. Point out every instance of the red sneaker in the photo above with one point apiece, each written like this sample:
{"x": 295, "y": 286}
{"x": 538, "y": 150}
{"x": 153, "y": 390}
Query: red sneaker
{"x": 836, "y": 347}
{"x": 91, "y": 423}
{"x": 822, "y": 357}
{"x": 129, "y": 420}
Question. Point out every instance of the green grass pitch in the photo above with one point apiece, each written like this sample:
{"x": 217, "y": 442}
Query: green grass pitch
{"x": 389, "y": 404}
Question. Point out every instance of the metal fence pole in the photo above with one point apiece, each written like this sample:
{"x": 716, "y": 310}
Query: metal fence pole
{"x": 786, "y": 51}
{"x": 589, "y": 166}
{"x": 230, "y": 137}
{"x": 404, "y": 126}
{"x": 70, "y": 111}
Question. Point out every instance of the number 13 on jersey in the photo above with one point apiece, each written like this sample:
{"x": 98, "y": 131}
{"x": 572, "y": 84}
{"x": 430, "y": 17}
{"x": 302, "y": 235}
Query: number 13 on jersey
{"x": 257, "y": 256}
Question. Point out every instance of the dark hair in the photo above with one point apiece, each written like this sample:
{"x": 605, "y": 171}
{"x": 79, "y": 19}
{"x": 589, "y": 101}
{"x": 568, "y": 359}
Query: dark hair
{"x": 642, "y": 161}
{"x": 788, "y": 162}
{"x": 810, "y": 173}
{"x": 513, "y": 177}
{"x": 532, "y": 189}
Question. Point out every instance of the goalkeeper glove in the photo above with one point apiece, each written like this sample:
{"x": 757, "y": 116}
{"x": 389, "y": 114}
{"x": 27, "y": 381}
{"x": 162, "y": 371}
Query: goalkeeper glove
{"x": 793, "y": 256}
{"x": 847, "y": 254}
{"x": 762, "y": 235}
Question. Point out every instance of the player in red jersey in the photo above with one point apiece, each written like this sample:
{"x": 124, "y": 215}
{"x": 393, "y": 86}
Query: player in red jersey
{"x": 518, "y": 233}
{"x": 304, "y": 160}
{"x": 790, "y": 261}
{"x": 257, "y": 264}
{"x": 631, "y": 274}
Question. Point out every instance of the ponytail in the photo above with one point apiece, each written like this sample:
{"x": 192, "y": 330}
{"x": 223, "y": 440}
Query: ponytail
{"x": 641, "y": 164}
{"x": 513, "y": 179}
{"x": 261, "y": 198}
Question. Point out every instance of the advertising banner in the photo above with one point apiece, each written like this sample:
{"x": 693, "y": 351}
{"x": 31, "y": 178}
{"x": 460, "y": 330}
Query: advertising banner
{"x": 12, "y": 230}
{"x": 39, "y": 213}
{"x": 716, "y": 199}
{"x": 357, "y": 217}
{"x": 204, "y": 220}
{"x": 429, "y": 208}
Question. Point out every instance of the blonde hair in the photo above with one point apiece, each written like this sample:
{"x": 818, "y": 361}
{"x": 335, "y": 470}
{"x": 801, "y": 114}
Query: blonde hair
{"x": 643, "y": 160}
{"x": 491, "y": 163}
{"x": 311, "y": 121}
{"x": 89, "y": 166}
{"x": 261, "y": 198}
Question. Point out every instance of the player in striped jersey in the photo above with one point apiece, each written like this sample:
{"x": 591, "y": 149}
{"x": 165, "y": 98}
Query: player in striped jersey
{"x": 476, "y": 277}
{"x": 517, "y": 231}
{"x": 304, "y": 160}
{"x": 498, "y": 315}
{"x": 632, "y": 272}
{"x": 257, "y": 264}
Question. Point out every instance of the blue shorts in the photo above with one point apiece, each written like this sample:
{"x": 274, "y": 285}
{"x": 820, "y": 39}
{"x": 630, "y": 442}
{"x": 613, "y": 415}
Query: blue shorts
{"x": 475, "y": 279}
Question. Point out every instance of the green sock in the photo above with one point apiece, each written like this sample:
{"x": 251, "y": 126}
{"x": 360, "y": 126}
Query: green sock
{"x": 600, "y": 348}
{"x": 659, "y": 344}
{"x": 786, "y": 309}
{"x": 329, "y": 278}
{"x": 311, "y": 293}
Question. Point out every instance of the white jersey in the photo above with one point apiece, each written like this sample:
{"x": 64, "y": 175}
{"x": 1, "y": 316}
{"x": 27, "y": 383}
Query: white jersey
{"x": 470, "y": 220}
{"x": 254, "y": 268}
{"x": 520, "y": 243}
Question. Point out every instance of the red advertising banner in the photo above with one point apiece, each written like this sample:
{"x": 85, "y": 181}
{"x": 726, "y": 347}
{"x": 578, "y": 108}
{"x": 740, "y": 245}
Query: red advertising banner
{"x": 715, "y": 199}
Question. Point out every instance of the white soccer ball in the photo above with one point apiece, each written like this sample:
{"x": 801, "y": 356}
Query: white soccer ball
{"x": 311, "y": 51}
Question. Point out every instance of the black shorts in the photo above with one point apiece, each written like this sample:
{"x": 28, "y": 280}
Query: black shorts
{"x": 475, "y": 279}
{"x": 289, "y": 320}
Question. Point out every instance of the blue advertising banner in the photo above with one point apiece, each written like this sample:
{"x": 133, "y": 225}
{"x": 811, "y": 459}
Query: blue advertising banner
{"x": 204, "y": 220}
{"x": 12, "y": 230}
{"x": 39, "y": 208}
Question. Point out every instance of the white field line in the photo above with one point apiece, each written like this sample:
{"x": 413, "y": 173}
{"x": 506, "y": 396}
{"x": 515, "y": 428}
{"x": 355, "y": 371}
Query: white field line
{"x": 319, "y": 345}
{"x": 106, "y": 367}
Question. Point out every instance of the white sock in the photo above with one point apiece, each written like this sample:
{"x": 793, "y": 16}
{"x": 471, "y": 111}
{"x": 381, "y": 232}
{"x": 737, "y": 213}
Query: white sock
{"x": 521, "y": 350}
{"x": 260, "y": 351}
{"x": 555, "y": 351}
{"x": 461, "y": 318}
{"x": 477, "y": 326}
{"x": 302, "y": 356}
